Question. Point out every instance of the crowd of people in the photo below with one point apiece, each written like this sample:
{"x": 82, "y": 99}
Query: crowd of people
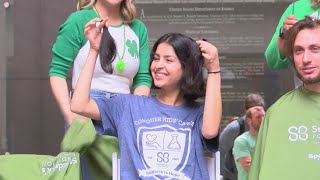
{"x": 108, "y": 108}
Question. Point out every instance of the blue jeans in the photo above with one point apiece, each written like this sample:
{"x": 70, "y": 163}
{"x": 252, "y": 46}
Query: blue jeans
{"x": 98, "y": 94}
{"x": 85, "y": 169}
{"x": 94, "y": 94}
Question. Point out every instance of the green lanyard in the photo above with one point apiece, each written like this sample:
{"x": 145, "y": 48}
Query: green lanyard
{"x": 120, "y": 65}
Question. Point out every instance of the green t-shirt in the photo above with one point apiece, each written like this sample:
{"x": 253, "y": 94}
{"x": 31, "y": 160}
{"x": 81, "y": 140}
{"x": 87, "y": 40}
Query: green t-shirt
{"x": 243, "y": 147}
{"x": 299, "y": 9}
{"x": 288, "y": 144}
{"x": 33, "y": 167}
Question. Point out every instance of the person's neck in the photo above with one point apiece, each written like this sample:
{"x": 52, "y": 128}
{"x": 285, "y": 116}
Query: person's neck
{"x": 313, "y": 87}
{"x": 253, "y": 132}
{"x": 106, "y": 10}
{"x": 171, "y": 98}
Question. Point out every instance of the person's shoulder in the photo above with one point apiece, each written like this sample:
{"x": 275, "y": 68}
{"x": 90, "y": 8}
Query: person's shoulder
{"x": 302, "y": 3}
{"x": 242, "y": 137}
{"x": 231, "y": 131}
{"x": 83, "y": 16}
{"x": 241, "y": 119}
{"x": 137, "y": 24}
{"x": 234, "y": 124}
{"x": 284, "y": 100}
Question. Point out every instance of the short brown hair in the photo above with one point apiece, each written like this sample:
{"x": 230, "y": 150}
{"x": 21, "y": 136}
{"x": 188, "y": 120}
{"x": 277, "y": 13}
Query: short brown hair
{"x": 252, "y": 100}
{"x": 306, "y": 23}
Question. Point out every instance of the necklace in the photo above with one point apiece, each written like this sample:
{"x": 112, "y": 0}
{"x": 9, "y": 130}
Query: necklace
{"x": 120, "y": 65}
{"x": 95, "y": 10}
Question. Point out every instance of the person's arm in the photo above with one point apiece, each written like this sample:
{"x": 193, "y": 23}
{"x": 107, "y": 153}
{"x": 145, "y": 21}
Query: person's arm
{"x": 142, "y": 90}
{"x": 60, "y": 92}
{"x": 241, "y": 153}
{"x": 213, "y": 105}
{"x": 245, "y": 163}
{"x": 287, "y": 24}
{"x": 81, "y": 103}
{"x": 272, "y": 54}
{"x": 64, "y": 50}
{"x": 142, "y": 80}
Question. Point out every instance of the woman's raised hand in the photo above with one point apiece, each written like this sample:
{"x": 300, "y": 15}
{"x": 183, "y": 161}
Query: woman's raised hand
{"x": 93, "y": 32}
{"x": 210, "y": 55}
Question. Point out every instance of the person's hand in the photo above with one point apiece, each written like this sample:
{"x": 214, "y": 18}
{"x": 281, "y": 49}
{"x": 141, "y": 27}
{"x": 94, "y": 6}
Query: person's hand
{"x": 245, "y": 163}
{"x": 289, "y": 22}
{"x": 93, "y": 32}
{"x": 72, "y": 116}
{"x": 210, "y": 55}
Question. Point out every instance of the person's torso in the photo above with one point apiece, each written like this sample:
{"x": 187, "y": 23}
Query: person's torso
{"x": 160, "y": 141}
{"x": 293, "y": 138}
{"x": 250, "y": 142}
{"x": 127, "y": 44}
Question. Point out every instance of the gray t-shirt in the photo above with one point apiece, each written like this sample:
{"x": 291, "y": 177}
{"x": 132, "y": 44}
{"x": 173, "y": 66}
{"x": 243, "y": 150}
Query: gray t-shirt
{"x": 157, "y": 141}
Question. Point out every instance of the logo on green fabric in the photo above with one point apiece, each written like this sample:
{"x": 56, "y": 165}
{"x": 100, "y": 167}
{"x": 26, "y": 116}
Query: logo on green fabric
{"x": 132, "y": 48}
{"x": 303, "y": 133}
{"x": 297, "y": 133}
{"x": 62, "y": 162}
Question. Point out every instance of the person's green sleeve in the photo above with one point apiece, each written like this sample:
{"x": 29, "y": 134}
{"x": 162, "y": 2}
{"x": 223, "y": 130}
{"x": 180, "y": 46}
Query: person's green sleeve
{"x": 272, "y": 53}
{"x": 143, "y": 76}
{"x": 257, "y": 159}
{"x": 68, "y": 43}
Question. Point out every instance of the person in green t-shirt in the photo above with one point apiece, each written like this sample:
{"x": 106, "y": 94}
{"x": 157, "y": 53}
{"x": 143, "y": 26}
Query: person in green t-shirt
{"x": 274, "y": 53}
{"x": 288, "y": 143}
{"x": 245, "y": 143}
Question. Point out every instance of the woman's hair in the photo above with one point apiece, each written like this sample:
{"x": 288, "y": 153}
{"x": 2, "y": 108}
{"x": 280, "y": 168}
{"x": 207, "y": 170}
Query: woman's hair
{"x": 315, "y": 3}
{"x": 82, "y": 4}
{"x": 307, "y": 23}
{"x": 127, "y": 9}
{"x": 191, "y": 59}
{"x": 108, "y": 51}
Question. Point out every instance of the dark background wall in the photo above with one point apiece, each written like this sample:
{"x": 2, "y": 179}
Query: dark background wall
{"x": 28, "y": 29}
{"x": 34, "y": 122}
